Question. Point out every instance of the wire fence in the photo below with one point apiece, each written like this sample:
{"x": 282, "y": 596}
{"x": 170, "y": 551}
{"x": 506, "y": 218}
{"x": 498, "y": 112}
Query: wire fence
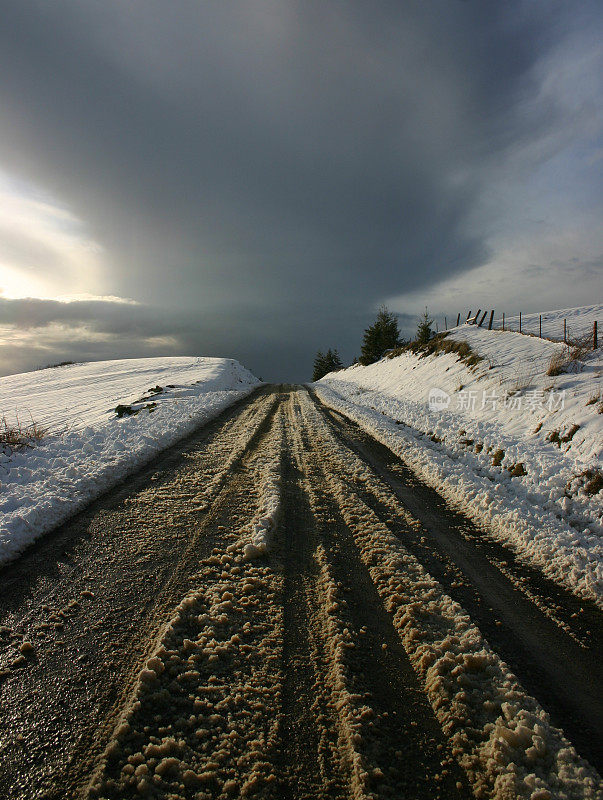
{"x": 580, "y": 329}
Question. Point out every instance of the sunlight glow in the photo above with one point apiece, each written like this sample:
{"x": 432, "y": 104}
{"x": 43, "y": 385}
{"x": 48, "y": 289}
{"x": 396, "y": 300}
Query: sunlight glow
{"x": 45, "y": 250}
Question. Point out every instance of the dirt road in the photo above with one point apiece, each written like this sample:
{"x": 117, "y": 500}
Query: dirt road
{"x": 278, "y": 608}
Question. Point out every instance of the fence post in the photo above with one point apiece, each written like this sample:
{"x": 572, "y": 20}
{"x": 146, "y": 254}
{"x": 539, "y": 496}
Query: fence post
{"x": 468, "y": 315}
{"x": 540, "y": 325}
{"x": 445, "y": 323}
{"x": 520, "y": 321}
{"x": 491, "y": 320}
{"x": 481, "y": 322}
{"x": 458, "y": 319}
{"x": 595, "y": 335}
{"x": 564, "y": 331}
{"x": 503, "y": 320}
{"x": 477, "y": 315}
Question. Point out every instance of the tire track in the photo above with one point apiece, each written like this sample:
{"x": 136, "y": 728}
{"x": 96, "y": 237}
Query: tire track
{"x": 252, "y": 617}
{"x": 500, "y": 734}
{"x": 551, "y": 640}
{"x": 308, "y": 753}
{"x": 389, "y": 741}
{"x": 204, "y": 717}
{"x": 132, "y": 558}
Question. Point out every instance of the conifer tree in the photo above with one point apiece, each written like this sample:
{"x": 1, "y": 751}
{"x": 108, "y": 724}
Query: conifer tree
{"x": 319, "y": 366}
{"x": 334, "y": 360}
{"x": 325, "y": 363}
{"x": 382, "y": 335}
{"x": 424, "y": 331}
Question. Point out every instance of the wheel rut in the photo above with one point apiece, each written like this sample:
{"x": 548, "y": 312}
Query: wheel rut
{"x": 396, "y": 744}
{"x": 131, "y": 559}
{"x": 279, "y": 609}
{"x": 308, "y": 760}
{"x": 553, "y": 646}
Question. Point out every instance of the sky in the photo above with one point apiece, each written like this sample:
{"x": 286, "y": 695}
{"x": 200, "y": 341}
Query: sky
{"x": 254, "y": 178}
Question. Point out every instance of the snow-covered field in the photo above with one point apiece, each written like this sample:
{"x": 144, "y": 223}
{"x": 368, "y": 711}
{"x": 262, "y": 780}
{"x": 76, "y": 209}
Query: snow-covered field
{"x": 77, "y": 395}
{"x": 518, "y": 450}
{"x": 579, "y": 322}
{"x": 89, "y": 448}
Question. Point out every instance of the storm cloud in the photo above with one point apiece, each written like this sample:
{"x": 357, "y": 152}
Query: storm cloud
{"x": 260, "y": 175}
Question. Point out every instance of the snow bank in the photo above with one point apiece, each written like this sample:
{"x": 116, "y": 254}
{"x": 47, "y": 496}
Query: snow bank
{"x": 517, "y": 450}
{"x": 43, "y": 486}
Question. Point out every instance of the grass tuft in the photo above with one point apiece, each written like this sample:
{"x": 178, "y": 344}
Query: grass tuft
{"x": 17, "y": 436}
{"x": 440, "y": 343}
{"x": 590, "y": 481}
{"x": 517, "y": 470}
{"x": 559, "y": 363}
{"x": 497, "y": 458}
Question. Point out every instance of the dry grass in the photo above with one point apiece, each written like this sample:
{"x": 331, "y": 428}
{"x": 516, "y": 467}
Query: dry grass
{"x": 594, "y": 483}
{"x": 522, "y": 381}
{"x": 570, "y": 359}
{"x": 581, "y": 347}
{"x": 556, "y": 438}
{"x": 438, "y": 344}
{"x": 18, "y": 436}
{"x": 590, "y": 482}
{"x": 596, "y": 399}
{"x": 497, "y": 458}
{"x": 559, "y": 363}
{"x": 517, "y": 470}
{"x": 570, "y": 434}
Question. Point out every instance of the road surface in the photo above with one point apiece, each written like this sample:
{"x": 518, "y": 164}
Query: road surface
{"x": 228, "y": 623}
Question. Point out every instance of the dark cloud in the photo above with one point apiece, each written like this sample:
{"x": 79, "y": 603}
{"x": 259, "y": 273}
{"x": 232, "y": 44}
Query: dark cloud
{"x": 267, "y": 172}
{"x": 101, "y": 316}
{"x": 38, "y": 331}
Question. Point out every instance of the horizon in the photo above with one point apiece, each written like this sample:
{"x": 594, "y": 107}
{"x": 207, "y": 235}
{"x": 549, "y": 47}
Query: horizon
{"x": 406, "y": 336}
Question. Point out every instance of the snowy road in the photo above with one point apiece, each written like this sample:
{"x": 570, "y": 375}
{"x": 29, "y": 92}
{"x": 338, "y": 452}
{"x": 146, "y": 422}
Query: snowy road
{"x": 277, "y": 607}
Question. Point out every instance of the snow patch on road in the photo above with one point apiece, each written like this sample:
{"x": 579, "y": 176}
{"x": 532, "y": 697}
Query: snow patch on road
{"x": 205, "y": 712}
{"x": 268, "y": 479}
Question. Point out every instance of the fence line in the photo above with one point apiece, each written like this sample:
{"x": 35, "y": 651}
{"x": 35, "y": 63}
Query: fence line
{"x": 505, "y": 323}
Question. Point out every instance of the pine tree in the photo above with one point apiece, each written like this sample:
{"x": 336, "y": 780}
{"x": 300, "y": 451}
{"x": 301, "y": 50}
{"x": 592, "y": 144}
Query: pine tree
{"x": 382, "y": 335}
{"x": 334, "y": 360}
{"x": 325, "y": 363}
{"x": 319, "y": 366}
{"x": 424, "y": 331}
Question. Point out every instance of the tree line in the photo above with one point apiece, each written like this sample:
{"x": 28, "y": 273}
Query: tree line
{"x": 379, "y": 338}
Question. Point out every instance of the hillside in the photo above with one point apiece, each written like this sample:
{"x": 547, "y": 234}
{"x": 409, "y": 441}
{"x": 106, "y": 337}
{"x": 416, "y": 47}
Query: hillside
{"x": 516, "y": 448}
{"x": 76, "y": 395}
